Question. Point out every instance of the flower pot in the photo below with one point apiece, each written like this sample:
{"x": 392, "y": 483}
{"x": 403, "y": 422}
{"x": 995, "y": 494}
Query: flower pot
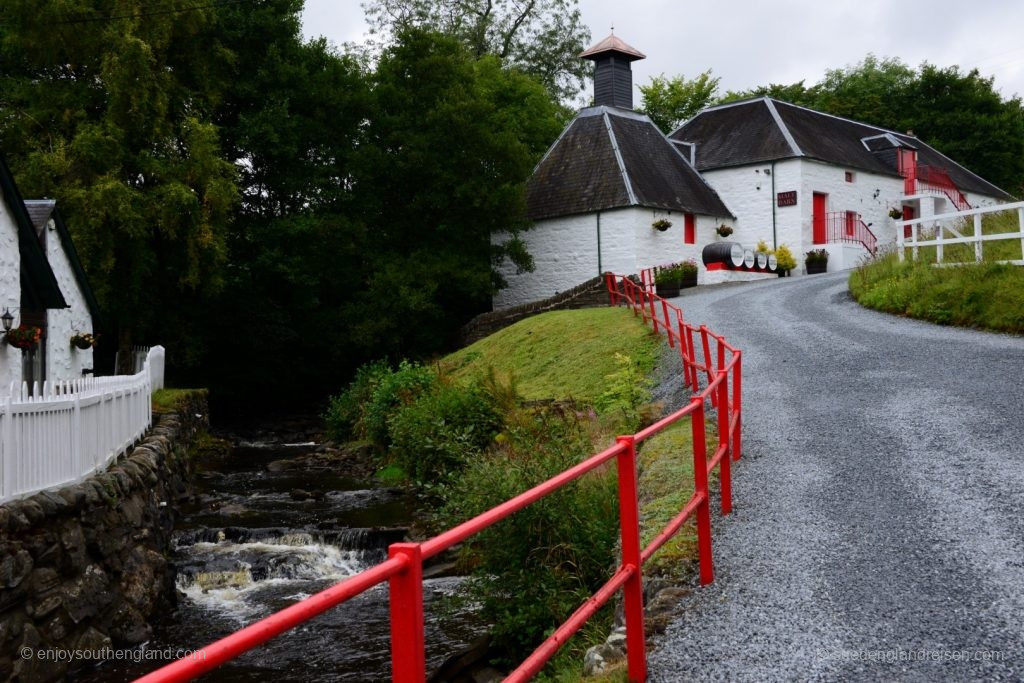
{"x": 817, "y": 267}
{"x": 667, "y": 291}
{"x": 688, "y": 280}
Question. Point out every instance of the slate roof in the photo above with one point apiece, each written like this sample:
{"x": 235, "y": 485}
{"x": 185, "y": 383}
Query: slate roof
{"x": 610, "y": 158}
{"x": 39, "y": 288}
{"x": 766, "y": 129}
{"x": 40, "y": 211}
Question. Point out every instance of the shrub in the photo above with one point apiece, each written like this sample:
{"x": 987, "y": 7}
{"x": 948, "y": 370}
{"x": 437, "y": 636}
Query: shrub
{"x": 687, "y": 267}
{"x": 784, "y": 258}
{"x": 815, "y": 256}
{"x": 439, "y": 432}
{"x": 364, "y": 408}
{"x": 763, "y": 247}
{"x": 345, "y": 411}
{"x": 534, "y": 568}
{"x": 668, "y": 275}
{"x": 627, "y": 392}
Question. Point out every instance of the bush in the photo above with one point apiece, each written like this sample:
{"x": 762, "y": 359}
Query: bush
{"x": 439, "y": 432}
{"x": 669, "y": 275}
{"x": 815, "y": 256}
{"x": 784, "y": 259}
{"x": 364, "y": 408}
{"x": 628, "y": 391}
{"x": 534, "y": 568}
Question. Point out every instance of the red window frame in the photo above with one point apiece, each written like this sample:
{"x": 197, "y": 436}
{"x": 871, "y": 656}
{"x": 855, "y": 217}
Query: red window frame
{"x": 689, "y": 229}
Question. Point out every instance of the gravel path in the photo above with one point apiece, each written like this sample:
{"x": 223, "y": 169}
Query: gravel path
{"x": 878, "y": 524}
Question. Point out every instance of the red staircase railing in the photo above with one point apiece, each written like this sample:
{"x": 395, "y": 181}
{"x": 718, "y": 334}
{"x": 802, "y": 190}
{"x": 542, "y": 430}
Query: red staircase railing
{"x": 936, "y": 180}
{"x": 719, "y": 363}
{"x": 848, "y": 226}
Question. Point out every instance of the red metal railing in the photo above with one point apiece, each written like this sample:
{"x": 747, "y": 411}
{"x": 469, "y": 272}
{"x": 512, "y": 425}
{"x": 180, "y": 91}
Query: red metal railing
{"x": 936, "y": 180}
{"x": 848, "y": 226}
{"x": 403, "y": 568}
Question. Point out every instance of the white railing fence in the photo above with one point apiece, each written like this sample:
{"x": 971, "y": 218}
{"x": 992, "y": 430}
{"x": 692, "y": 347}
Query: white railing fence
{"x": 62, "y": 432}
{"x": 953, "y": 223}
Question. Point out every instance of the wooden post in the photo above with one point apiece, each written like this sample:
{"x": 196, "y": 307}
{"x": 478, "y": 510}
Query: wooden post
{"x": 977, "y": 238}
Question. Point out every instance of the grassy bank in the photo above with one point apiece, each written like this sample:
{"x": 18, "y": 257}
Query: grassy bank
{"x": 485, "y": 423}
{"x": 561, "y": 354}
{"x": 987, "y": 295}
{"x": 1002, "y": 223}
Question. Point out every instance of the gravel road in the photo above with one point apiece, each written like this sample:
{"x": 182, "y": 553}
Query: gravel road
{"x": 878, "y": 524}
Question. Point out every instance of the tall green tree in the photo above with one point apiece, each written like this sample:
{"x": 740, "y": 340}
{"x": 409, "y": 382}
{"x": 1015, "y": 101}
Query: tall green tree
{"x": 449, "y": 147}
{"x": 670, "y": 101}
{"x": 542, "y": 38}
{"x": 106, "y": 106}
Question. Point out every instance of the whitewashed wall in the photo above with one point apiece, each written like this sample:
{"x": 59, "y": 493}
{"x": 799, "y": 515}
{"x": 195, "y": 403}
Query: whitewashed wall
{"x": 747, "y": 191}
{"x": 564, "y": 250}
{"x": 63, "y": 361}
{"x": 10, "y": 294}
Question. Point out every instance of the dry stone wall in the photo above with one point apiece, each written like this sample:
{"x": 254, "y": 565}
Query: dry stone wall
{"x": 84, "y": 567}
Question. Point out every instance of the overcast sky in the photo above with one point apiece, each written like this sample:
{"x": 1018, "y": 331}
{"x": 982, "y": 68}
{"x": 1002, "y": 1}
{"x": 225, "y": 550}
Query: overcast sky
{"x": 752, "y": 42}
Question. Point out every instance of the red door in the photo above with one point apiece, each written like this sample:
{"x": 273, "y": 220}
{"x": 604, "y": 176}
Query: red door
{"x": 908, "y": 169}
{"x": 908, "y": 214}
{"x": 818, "y": 217}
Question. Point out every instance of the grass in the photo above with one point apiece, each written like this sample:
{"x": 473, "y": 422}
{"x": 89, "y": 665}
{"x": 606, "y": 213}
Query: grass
{"x": 986, "y": 295}
{"x": 169, "y": 400}
{"x": 560, "y": 354}
{"x": 1004, "y": 222}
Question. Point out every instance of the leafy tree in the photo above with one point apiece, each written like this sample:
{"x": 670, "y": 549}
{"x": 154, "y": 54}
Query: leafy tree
{"x": 542, "y": 38}
{"x": 105, "y": 107}
{"x": 795, "y": 93}
{"x": 449, "y": 146}
{"x": 671, "y": 101}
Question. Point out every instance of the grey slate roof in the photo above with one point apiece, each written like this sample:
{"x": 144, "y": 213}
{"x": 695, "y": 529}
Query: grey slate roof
{"x": 766, "y": 129}
{"x": 609, "y": 158}
{"x": 40, "y": 211}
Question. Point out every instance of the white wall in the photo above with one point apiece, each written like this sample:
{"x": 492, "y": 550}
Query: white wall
{"x": 62, "y": 360}
{"x": 564, "y": 250}
{"x": 10, "y": 294}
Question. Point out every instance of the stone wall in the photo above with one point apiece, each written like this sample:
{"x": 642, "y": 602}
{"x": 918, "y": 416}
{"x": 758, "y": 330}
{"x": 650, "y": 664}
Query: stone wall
{"x": 85, "y": 567}
{"x": 590, "y": 294}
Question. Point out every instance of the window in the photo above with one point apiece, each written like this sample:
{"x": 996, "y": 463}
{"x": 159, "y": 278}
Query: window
{"x": 850, "y": 176}
{"x": 690, "y": 230}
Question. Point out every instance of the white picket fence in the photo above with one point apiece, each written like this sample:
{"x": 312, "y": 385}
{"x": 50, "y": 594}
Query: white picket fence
{"x": 66, "y": 431}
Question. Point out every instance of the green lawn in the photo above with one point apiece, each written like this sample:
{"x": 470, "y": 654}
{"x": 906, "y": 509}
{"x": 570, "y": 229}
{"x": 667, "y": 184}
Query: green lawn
{"x": 560, "y": 354}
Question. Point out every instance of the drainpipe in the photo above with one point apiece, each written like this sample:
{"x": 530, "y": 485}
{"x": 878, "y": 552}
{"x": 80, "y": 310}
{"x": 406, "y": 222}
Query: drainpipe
{"x": 775, "y": 240}
{"x": 599, "y": 271}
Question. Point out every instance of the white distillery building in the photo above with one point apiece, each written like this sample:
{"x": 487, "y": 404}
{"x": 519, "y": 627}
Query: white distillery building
{"x": 42, "y": 285}
{"x": 772, "y": 171}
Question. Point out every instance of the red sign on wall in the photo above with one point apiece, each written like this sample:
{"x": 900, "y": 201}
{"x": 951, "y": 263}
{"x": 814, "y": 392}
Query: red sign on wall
{"x": 787, "y": 198}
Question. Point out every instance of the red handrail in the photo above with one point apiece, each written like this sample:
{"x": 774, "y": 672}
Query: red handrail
{"x": 403, "y": 568}
{"x": 848, "y": 226}
{"x": 937, "y": 181}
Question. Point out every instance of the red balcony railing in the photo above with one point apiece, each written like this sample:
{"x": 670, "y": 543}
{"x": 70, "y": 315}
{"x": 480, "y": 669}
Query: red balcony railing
{"x": 936, "y": 180}
{"x": 848, "y": 226}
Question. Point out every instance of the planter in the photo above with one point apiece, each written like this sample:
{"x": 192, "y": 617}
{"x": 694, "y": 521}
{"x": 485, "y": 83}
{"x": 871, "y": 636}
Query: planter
{"x": 688, "y": 280}
{"x": 783, "y": 273}
{"x": 817, "y": 267}
{"x": 667, "y": 291}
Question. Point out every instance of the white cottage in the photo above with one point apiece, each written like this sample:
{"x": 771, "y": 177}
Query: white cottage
{"x": 807, "y": 179}
{"x": 597, "y": 193}
{"x": 42, "y": 285}
{"x": 773, "y": 171}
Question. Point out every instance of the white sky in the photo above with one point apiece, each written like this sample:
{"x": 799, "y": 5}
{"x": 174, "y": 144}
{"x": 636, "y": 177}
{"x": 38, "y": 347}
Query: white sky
{"x": 752, "y": 42}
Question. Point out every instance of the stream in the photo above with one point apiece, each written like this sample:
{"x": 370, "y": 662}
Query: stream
{"x": 271, "y": 525}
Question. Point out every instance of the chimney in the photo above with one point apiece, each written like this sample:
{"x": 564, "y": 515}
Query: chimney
{"x": 613, "y": 75}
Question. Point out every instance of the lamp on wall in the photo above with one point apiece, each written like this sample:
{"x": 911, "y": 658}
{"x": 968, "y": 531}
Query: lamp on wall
{"x": 7, "y": 319}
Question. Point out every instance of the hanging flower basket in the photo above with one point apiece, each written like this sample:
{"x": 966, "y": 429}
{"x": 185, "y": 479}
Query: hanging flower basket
{"x": 723, "y": 230}
{"x": 24, "y": 337}
{"x": 662, "y": 224}
{"x": 83, "y": 341}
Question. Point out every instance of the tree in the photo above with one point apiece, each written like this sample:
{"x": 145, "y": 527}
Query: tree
{"x": 542, "y": 38}
{"x": 671, "y": 101}
{"x": 449, "y": 146}
{"x": 105, "y": 107}
{"x": 795, "y": 93}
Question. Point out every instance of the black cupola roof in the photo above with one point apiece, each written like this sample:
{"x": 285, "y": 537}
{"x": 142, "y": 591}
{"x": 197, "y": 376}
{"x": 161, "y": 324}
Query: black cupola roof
{"x": 613, "y": 75}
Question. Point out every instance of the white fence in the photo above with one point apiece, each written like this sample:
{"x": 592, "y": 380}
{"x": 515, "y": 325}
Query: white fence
{"x": 953, "y": 223}
{"x": 69, "y": 430}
